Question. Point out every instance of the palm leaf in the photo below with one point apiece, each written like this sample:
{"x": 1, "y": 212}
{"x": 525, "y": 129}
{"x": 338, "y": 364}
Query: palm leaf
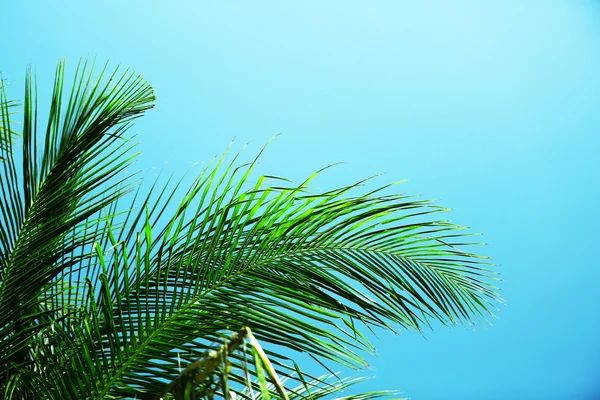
{"x": 65, "y": 180}
{"x": 299, "y": 268}
{"x": 122, "y": 299}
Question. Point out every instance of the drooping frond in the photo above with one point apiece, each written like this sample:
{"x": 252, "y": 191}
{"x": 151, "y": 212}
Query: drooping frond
{"x": 124, "y": 300}
{"x": 305, "y": 270}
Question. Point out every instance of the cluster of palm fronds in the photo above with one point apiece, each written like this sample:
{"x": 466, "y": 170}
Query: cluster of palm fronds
{"x": 101, "y": 299}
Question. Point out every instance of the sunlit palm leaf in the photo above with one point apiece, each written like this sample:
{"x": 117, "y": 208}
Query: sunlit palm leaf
{"x": 164, "y": 282}
{"x": 305, "y": 271}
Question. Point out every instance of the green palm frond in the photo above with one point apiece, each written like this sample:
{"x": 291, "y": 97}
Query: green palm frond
{"x": 64, "y": 180}
{"x": 110, "y": 301}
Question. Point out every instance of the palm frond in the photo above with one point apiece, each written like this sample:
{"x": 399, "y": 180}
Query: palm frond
{"x": 119, "y": 302}
{"x": 65, "y": 179}
{"x": 304, "y": 270}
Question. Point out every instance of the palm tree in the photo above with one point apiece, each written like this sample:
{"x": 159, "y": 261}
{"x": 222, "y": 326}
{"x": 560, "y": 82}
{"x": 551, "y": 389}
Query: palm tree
{"x": 109, "y": 289}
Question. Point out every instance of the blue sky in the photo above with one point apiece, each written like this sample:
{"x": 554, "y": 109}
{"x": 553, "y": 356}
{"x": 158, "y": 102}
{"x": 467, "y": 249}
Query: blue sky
{"x": 489, "y": 107}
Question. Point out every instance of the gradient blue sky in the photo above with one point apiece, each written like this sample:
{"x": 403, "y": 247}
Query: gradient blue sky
{"x": 490, "y": 107}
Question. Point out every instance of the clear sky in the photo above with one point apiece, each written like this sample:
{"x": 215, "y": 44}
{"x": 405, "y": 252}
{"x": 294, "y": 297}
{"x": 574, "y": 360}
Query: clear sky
{"x": 492, "y": 107}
